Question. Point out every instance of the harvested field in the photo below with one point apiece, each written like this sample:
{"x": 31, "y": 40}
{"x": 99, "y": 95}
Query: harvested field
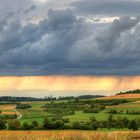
{"x": 7, "y": 107}
{"x": 9, "y": 113}
{"x": 68, "y": 135}
{"x": 123, "y": 96}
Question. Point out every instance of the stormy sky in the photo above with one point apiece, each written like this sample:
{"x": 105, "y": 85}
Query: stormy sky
{"x": 69, "y": 37}
{"x": 69, "y": 47}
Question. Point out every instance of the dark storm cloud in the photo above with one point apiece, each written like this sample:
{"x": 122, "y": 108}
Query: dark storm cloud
{"x": 108, "y": 7}
{"x": 61, "y": 43}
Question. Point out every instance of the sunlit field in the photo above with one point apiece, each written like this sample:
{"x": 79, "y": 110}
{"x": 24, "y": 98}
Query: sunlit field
{"x": 68, "y": 135}
{"x": 37, "y": 113}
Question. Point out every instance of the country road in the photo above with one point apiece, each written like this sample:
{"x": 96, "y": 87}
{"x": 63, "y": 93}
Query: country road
{"x": 19, "y": 114}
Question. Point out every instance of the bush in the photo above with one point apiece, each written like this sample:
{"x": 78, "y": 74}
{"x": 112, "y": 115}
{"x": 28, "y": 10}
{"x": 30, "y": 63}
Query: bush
{"x": 94, "y": 123}
{"x": 10, "y": 116}
{"x": 34, "y": 125}
{"x": 87, "y": 126}
{"x": 23, "y": 106}
{"x": 59, "y": 124}
{"x": 26, "y": 126}
{"x": 76, "y": 125}
{"x": 65, "y": 120}
{"x": 2, "y": 124}
{"x": 67, "y": 126}
{"x": 125, "y": 122}
{"x": 91, "y": 110}
{"x": 48, "y": 124}
{"x": 14, "y": 125}
{"x": 112, "y": 111}
{"x": 133, "y": 125}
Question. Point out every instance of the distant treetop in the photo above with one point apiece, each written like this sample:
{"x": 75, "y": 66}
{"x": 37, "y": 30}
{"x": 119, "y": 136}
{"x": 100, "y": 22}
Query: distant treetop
{"x": 136, "y": 91}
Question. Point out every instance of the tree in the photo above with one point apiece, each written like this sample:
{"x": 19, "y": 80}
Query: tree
{"x": 65, "y": 120}
{"x": 133, "y": 125}
{"x": 110, "y": 118}
{"x": 59, "y": 124}
{"x": 76, "y": 100}
{"x": 112, "y": 111}
{"x": 110, "y": 122}
{"x": 119, "y": 122}
{"x": 2, "y": 124}
{"x": 48, "y": 124}
{"x": 23, "y": 106}
{"x": 14, "y": 125}
{"x": 101, "y": 124}
{"x": 76, "y": 125}
{"x": 125, "y": 122}
{"x": 34, "y": 125}
{"x": 92, "y": 119}
{"x": 26, "y": 126}
{"x": 138, "y": 122}
{"x": 94, "y": 123}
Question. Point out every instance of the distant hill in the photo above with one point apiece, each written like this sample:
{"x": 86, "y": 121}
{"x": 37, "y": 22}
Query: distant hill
{"x": 122, "y": 96}
{"x": 22, "y": 99}
{"x": 125, "y": 95}
{"x": 136, "y": 91}
{"x": 10, "y": 99}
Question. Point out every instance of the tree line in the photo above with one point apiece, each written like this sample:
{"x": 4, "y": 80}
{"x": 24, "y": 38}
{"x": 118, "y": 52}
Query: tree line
{"x": 13, "y": 99}
{"x": 62, "y": 109}
{"x": 63, "y": 123}
{"x": 136, "y": 91}
{"x": 131, "y": 112}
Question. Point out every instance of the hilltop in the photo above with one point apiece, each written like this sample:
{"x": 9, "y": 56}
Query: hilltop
{"x": 125, "y": 95}
{"x": 136, "y": 91}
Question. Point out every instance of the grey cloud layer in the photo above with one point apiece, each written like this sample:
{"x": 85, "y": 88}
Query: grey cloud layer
{"x": 61, "y": 43}
{"x": 108, "y": 7}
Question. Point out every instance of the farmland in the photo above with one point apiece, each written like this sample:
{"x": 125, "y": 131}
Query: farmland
{"x": 37, "y": 113}
{"x": 68, "y": 135}
{"x": 80, "y": 124}
{"x": 73, "y": 113}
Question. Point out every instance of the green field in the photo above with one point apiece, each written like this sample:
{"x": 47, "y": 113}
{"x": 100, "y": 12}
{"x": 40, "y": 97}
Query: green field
{"x": 36, "y": 112}
{"x": 79, "y": 115}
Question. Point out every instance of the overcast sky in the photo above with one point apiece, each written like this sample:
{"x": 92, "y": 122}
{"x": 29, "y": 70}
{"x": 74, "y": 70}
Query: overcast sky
{"x": 69, "y": 37}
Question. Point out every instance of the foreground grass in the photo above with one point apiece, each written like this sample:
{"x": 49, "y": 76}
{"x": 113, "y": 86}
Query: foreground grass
{"x": 68, "y": 135}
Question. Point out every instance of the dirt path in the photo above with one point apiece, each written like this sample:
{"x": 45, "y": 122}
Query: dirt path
{"x": 19, "y": 114}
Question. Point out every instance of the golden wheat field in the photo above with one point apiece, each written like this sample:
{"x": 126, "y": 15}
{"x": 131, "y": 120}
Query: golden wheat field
{"x": 68, "y": 135}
